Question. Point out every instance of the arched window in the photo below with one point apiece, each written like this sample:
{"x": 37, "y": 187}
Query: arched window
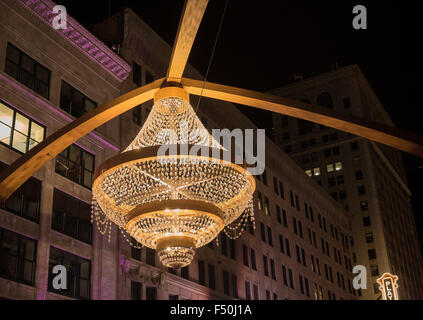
{"x": 325, "y": 100}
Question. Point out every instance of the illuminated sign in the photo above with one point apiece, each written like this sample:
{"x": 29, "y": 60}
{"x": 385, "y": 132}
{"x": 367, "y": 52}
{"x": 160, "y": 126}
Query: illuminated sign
{"x": 388, "y": 285}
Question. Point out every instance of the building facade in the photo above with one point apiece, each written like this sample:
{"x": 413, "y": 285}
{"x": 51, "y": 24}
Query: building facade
{"x": 301, "y": 248}
{"x": 366, "y": 178}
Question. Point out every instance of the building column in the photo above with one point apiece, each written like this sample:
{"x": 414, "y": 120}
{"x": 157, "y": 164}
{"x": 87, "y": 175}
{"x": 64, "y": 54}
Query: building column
{"x": 43, "y": 244}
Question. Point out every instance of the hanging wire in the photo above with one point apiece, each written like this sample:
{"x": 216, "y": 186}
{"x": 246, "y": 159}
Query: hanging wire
{"x": 212, "y": 54}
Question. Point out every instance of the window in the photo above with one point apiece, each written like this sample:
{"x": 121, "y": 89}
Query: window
{"x": 267, "y": 295}
{"x": 247, "y": 291}
{"x": 135, "y": 250}
{"x": 347, "y": 103}
{"x": 265, "y": 266}
{"x": 259, "y": 201}
{"x": 359, "y": 175}
{"x": 223, "y": 244}
{"x": 297, "y": 203}
{"x": 338, "y": 166}
{"x": 304, "y": 144}
{"x": 71, "y": 216}
{"x": 275, "y": 185}
{"x": 285, "y": 278}
{"x": 78, "y": 274}
{"x": 291, "y": 197}
{"x": 281, "y": 190}
{"x": 329, "y": 167}
{"x": 297, "y": 249}
{"x": 374, "y": 270}
{"x": 369, "y": 237}
{"x": 342, "y": 195}
{"x": 291, "y": 278}
{"x": 308, "y": 172}
{"x": 25, "y": 201}
{"x": 201, "y": 273}
{"x": 285, "y": 221}
{"x": 287, "y": 247}
{"x": 366, "y": 221}
{"x": 173, "y": 297}
{"x": 332, "y": 182}
{"x": 294, "y": 224}
{"x": 256, "y": 293}
{"x": 263, "y": 232}
{"x": 278, "y": 214}
{"x": 234, "y": 286}
{"x": 137, "y": 115}
{"x": 325, "y": 138}
{"x": 304, "y": 257}
{"x": 17, "y": 257}
{"x": 212, "y": 277}
{"x": 185, "y": 272}
{"x": 18, "y": 131}
{"x": 264, "y": 175}
{"x": 272, "y": 269}
{"x": 150, "y": 256}
{"x": 340, "y": 180}
{"x": 325, "y": 100}
{"x": 136, "y": 290}
{"x": 363, "y": 205}
{"x": 151, "y": 293}
{"x": 27, "y": 71}
{"x": 253, "y": 259}
{"x": 76, "y": 164}
{"x": 74, "y": 102}
{"x": 361, "y": 190}
{"x": 354, "y": 146}
{"x": 372, "y": 254}
{"x": 336, "y": 151}
{"x": 245, "y": 255}
{"x": 328, "y": 153}
{"x": 232, "y": 247}
{"x": 269, "y": 236}
{"x": 137, "y": 74}
{"x": 300, "y": 278}
{"x": 148, "y": 77}
{"x": 226, "y": 283}
{"x": 316, "y": 171}
{"x": 305, "y": 126}
{"x": 281, "y": 244}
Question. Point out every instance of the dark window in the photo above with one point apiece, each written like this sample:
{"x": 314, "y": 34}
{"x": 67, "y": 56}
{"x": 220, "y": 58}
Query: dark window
{"x": 137, "y": 74}
{"x": 150, "y": 256}
{"x": 291, "y": 279}
{"x": 201, "y": 272}
{"x": 263, "y": 232}
{"x": 18, "y": 131}
{"x": 366, "y": 221}
{"x": 17, "y": 257}
{"x": 135, "y": 250}
{"x": 264, "y": 175}
{"x": 247, "y": 291}
{"x": 372, "y": 254}
{"x": 285, "y": 278}
{"x": 265, "y": 266}
{"x": 151, "y": 293}
{"x": 226, "y": 283}
{"x": 234, "y": 286}
{"x": 359, "y": 175}
{"x": 253, "y": 259}
{"x": 256, "y": 293}
{"x": 27, "y": 71}
{"x": 71, "y": 216}
{"x": 363, "y": 205}
{"x": 137, "y": 115}
{"x": 287, "y": 247}
{"x": 336, "y": 151}
{"x": 78, "y": 274}
{"x": 267, "y": 295}
{"x": 281, "y": 190}
{"x": 300, "y": 278}
{"x": 212, "y": 277}
{"x": 347, "y": 103}
{"x": 340, "y": 179}
{"x": 297, "y": 203}
{"x": 74, "y": 102}
{"x": 325, "y": 100}
{"x": 232, "y": 246}
{"x": 275, "y": 185}
{"x": 281, "y": 245}
{"x": 369, "y": 237}
{"x": 328, "y": 153}
{"x": 272, "y": 269}
{"x": 304, "y": 257}
{"x": 245, "y": 255}
{"x": 297, "y": 250}
{"x": 25, "y": 201}
{"x": 269, "y": 236}
{"x": 291, "y": 197}
{"x": 76, "y": 164}
{"x": 278, "y": 214}
{"x": 361, "y": 190}
{"x": 223, "y": 244}
{"x": 185, "y": 272}
{"x": 354, "y": 146}
{"x": 331, "y": 182}
{"x": 285, "y": 220}
{"x": 173, "y": 297}
{"x": 305, "y": 126}
{"x": 342, "y": 194}
{"x": 136, "y": 290}
{"x": 148, "y": 77}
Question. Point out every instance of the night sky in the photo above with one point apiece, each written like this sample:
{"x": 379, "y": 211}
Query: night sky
{"x": 262, "y": 43}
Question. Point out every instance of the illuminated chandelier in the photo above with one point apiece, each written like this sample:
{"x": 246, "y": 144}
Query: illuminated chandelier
{"x": 174, "y": 202}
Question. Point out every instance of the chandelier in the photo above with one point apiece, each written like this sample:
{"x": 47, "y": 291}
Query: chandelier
{"x": 172, "y": 202}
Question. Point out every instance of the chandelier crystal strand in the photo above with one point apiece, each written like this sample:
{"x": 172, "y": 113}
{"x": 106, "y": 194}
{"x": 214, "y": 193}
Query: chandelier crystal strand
{"x": 172, "y": 202}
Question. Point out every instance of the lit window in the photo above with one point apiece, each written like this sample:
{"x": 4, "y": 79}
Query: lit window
{"x": 316, "y": 171}
{"x": 329, "y": 167}
{"x": 308, "y": 172}
{"x": 18, "y": 131}
{"x": 338, "y": 166}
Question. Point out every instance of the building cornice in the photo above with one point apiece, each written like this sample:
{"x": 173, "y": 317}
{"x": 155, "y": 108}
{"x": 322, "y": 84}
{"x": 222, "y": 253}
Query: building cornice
{"x": 81, "y": 38}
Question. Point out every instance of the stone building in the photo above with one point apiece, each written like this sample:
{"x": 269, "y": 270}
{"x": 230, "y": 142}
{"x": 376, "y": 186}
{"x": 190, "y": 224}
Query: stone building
{"x": 301, "y": 248}
{"x": 368, "y": 179}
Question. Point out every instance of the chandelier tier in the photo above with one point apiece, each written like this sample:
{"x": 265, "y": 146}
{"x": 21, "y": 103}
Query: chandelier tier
{"x": 177, "y": 201}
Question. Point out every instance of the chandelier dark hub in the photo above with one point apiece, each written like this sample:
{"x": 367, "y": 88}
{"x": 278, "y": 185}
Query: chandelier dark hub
{"x": 177, "y": 201}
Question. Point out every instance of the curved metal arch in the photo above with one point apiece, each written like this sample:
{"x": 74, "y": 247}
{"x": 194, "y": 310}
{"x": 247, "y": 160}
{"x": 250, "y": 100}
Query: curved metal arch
{"x": 388, "y": 135}
{"x": 16, "y": 174}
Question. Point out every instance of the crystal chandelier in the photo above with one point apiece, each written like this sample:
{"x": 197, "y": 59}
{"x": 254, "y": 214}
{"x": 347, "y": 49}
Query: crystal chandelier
{"x": 175, "y": 202}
